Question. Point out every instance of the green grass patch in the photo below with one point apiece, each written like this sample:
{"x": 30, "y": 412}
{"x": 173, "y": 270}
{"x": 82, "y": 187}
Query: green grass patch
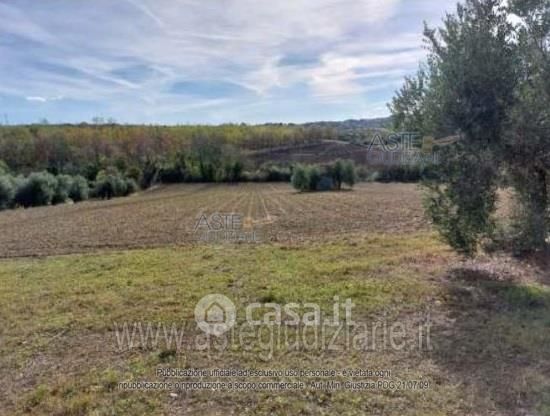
{"x": 59, "y": 354}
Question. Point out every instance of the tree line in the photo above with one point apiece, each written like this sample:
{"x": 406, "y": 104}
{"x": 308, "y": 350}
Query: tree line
{"x": 87, "y": 149}
{"x": 41, "y": 164}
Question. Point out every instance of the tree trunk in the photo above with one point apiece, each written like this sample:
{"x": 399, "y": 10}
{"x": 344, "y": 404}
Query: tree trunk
{"x": 539, "y": 207}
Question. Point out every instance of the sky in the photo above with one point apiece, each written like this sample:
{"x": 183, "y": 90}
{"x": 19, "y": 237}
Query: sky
{"x": 207, "y": 61}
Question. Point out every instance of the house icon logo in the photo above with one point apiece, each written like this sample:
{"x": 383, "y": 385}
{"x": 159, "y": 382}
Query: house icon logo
{"x": 215, "y": 314}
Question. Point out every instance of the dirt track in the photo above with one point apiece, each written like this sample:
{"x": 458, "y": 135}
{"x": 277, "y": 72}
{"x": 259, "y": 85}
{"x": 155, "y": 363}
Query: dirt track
{"x": 168, "y": 215}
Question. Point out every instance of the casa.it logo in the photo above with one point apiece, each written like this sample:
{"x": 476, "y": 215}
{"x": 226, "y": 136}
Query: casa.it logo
{"x": 215, "y": 314}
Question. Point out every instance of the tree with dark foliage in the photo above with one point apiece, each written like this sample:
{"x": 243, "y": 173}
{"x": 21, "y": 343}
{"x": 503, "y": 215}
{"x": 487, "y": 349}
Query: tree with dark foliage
{"x": 488, "y": 81}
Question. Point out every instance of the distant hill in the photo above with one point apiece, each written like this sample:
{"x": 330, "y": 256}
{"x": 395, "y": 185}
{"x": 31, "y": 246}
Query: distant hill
{"x": 373, "y": 123}
{"x": 355, "y": 130}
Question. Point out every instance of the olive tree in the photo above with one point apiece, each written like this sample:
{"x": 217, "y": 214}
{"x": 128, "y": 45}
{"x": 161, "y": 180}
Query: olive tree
{"x": 469, "y": 86}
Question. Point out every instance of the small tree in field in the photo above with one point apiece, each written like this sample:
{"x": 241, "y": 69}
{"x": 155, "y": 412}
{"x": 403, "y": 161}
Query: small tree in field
{"x": 80, "y": 189}
{"x": 314, "y": 176}
{"x": 349, "y": 173}
{"x": 36, "y": 190}
{"x": 336, "y": 171}
{"x": 7, "y": 192}
{"x": 63, "y": 189}
{"x": 300, "y": 179}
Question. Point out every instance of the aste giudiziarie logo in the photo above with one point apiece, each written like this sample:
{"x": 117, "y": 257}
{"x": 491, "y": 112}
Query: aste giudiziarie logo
{"x": 225, "y": 228}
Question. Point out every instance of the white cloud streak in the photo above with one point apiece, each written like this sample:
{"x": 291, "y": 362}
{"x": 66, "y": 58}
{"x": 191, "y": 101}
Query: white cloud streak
{"x": 43, "y": 99}
{"x": 130, "y": 53}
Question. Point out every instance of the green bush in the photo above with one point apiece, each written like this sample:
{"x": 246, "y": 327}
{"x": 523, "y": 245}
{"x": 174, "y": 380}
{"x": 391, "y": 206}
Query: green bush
{"x": 329, "y": 177}
{"x": 36, "y": 190}
{"x": 363, "y": 174}
{"x": 274, "y": 173}
{"x": 175, "y": 170}
{"x": 42, "y": 188}
{"x": 349, "y": 173}
{"x": 314, "y": 177}
{"x": 135, "y": 173}
{"x": 150, "y": 173}
{"x": 131, "y": 187}
{"x": 269, "y": 173}
{"x": 111, "y": 184}
{"x": 4, "y": 169}
{"x": 7, "y": 192}
{"x": 63, "y": 189}
{"x": 300, "y": 179}
{"x": 79, "y": 189}
{"x": 256, "y": 176}
{"x": 336, "y": 173}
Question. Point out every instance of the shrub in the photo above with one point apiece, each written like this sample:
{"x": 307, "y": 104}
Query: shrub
{"x": 256, "y": 176}
{"x": 131, "y": 187}
{"x": 63, "y": 189}
{"x": 91, "y": 170}
{"x": 193, "y": 173}
{"x": 120, "y": 186}
{"x": 300, "y": 180}
{"x": 314, "y": 177}
{"x": 325, "y": 184}
{"x": 108, "y": 187}
{"x": 362, "y": 174}
{"x": 7, "y": 192}
{"x": 4, "y": 169}
{"x": 336, "y": 172}
{"x": 111, "y": 184}
{"x": 274, "y": 173}
{"x": 232, "y": 171}
{"x": 38, "y": 189}
{"x": 150, "y": 173}
{"x": 79, "y": 189}
{"x": 349, "y": 173}
{"x": 374, "y": 177}
{"x": 135, "y": 173}
{"x": 237, "y": 169}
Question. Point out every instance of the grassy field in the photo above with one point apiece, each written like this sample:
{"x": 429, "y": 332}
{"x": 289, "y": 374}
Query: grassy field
{"x": 60, "y": 338}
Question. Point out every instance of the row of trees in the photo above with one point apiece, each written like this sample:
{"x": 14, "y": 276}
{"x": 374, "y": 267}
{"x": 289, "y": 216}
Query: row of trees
{"x": 87, "y": 149}
{"x": 324, "y": 178}
{"x": 486, "y": 80}
{"x": 43, "y": 188}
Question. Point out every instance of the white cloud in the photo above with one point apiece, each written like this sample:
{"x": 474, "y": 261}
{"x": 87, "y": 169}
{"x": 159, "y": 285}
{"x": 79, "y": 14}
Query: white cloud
{"x": 38, "y": 99}
{"x": 147, "y": 11}
{"x": 43, "y": 99}
{"x": 81, "y": 50}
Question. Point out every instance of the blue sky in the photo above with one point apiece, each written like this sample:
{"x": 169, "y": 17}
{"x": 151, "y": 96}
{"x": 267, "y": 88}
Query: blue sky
{"x": 207, "y": 61}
